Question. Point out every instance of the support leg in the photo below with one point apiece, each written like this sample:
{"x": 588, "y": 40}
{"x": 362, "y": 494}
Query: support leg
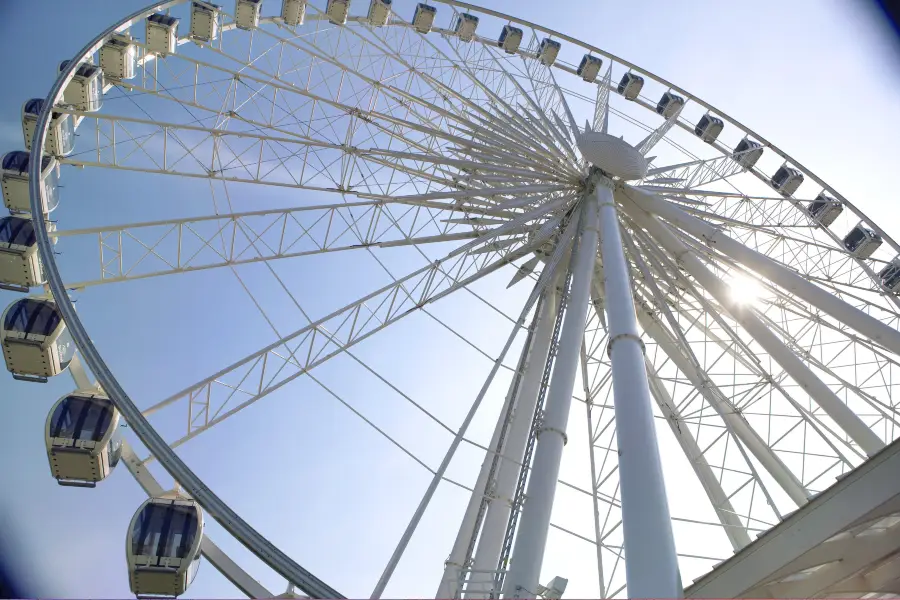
{"x": 528, "y": 552}
{"x": 651, "y": 564}
{"x": 518, "y": 396}
{"x": 491, "y": 541}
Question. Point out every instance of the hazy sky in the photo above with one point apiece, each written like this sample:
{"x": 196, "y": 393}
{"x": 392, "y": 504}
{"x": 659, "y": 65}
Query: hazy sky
{"x": 819, "y": 78}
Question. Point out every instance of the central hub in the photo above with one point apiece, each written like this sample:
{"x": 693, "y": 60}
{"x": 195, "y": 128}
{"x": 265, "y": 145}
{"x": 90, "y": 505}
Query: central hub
{"x": 612, "y": 155}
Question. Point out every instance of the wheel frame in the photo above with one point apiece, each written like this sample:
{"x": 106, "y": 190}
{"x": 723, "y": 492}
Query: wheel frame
{"x": 167, "y": 457}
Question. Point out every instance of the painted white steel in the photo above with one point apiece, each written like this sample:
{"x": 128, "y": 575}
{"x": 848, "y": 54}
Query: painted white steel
{"x": 487, "y": 553}
{"x": 864, "y": 323}
{"x": 528, "y": 553}
{"x": 815, "y": 387}
{"x": 651, "y": 564}
{"x": 453, "y": 567}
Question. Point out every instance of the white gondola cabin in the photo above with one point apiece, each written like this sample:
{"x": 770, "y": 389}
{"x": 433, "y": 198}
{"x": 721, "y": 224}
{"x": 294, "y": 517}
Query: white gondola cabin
{"x": 589, "y": 67}
{"x": 747, "y": 153}
{"x": 890, "y": 276}
{"x": 510, "y": 39}
{"x": 423, "y": 18}
{"x": 708, "y": 128}
{"x": 60, "y": 133}
{"x": 162, "y": 34}
{"x": 337, "y": 11}
{"x": 35, "y": 342}
{"x": 85, "y": 91}
{"x": 246, "y": 13}
{"x": 786, "y": 180}
{"x": 20, "y": 263}
{"x": 669, "y": 105}
{"x": 118, "y": 57}
{"x": 163, "y": 546}
{"x": 630, "y": 85}
{"x": 465, "y": 26}
{"x": 204, "y": 21}
{"x": 14, "y": 181}
{"x": 825, "y": 209}
{"x": 379, "y": 12}
{"x": 548, "y": 51}
{"x": 82, "y": 438}
{"x": 293, "y": 12}
{"x": 862, "y": 242}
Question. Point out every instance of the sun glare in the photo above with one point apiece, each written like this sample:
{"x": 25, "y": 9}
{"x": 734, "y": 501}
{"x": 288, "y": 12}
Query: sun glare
{"x": 745, "y": 289}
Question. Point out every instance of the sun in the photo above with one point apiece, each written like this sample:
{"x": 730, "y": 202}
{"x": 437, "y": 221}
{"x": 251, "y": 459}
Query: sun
{"x": 745, "y": 289}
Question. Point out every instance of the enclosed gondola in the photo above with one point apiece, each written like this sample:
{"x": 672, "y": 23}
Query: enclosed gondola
{"x": 14, "y": 168}
{"x": 118, "y": 57}
{"x": 83, "y": 439}
{"x": 862, "y": 242}
{"x": 293, "y": 12}
{"x": 246, "y": 13}
{"x": 60, "y": 133}
{"x": 890, "y": 276}
{"x": 379, "y": 12}
{"x": 630, "y": 86}
{"x": 669, "y": 105}
{"x": 747, "y": 153}
{"x": 20, "y": 263}
{"x": 36, "y": 345}
{"x": 825, "y": 209}
{"x": 510, "y": 39}
{"x": 423, "y": 18}
{"x": 548, "y": 51}
{"x": 85, "y": 90}
{"x": 708, "y": 128}
{"x": 589, "y": 67}
{"x": 465, "y": 26}
{"x": 162, "y": 34}
{"x": 204, "y": 21}
{"x": 337, "y": 11}
{"x": 163, "y": 546}
{"x": 786, "y": 180}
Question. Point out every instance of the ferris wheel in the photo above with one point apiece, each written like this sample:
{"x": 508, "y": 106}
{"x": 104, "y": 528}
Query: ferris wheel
{"x": 640, "y": 335}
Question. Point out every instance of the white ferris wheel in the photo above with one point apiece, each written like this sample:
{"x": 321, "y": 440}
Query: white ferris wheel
{"x": 610, "y": 337}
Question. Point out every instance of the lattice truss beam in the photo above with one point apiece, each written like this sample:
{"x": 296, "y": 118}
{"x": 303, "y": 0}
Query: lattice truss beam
{"x": 156, "y": 248}
{"x": 246, "y": 381}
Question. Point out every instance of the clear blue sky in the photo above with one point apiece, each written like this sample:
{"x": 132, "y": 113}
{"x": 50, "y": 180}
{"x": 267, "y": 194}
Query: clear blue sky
{"x": 817, "y": 77}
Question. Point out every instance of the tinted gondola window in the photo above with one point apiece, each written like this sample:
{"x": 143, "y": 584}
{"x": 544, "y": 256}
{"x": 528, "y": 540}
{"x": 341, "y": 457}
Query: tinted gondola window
{"x": 184, "y": 530}
{"x": 34, "y": 106}
{"x": 164, "y": 530}
{"x": 816, "y": 207}
{"x": 162, "y": 19}
{"x": 80, "y": 418}
{"x": 32, "y": 316}
{"x": 16, "y": 161}
{"x": 20, "y": 232}
{"x": 854, "y": 239}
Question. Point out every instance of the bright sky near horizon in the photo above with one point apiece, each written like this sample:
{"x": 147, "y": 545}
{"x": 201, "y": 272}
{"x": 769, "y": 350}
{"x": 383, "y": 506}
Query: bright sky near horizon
{"x": 819, "y": 78}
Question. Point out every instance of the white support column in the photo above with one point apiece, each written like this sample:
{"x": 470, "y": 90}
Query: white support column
{"x": 528, "y": 553}
{"x": 490, "y": 543}
{"x": 651, "y": 563}
{"x": 522, "y": 402}
{"x": 858, "y": 431}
